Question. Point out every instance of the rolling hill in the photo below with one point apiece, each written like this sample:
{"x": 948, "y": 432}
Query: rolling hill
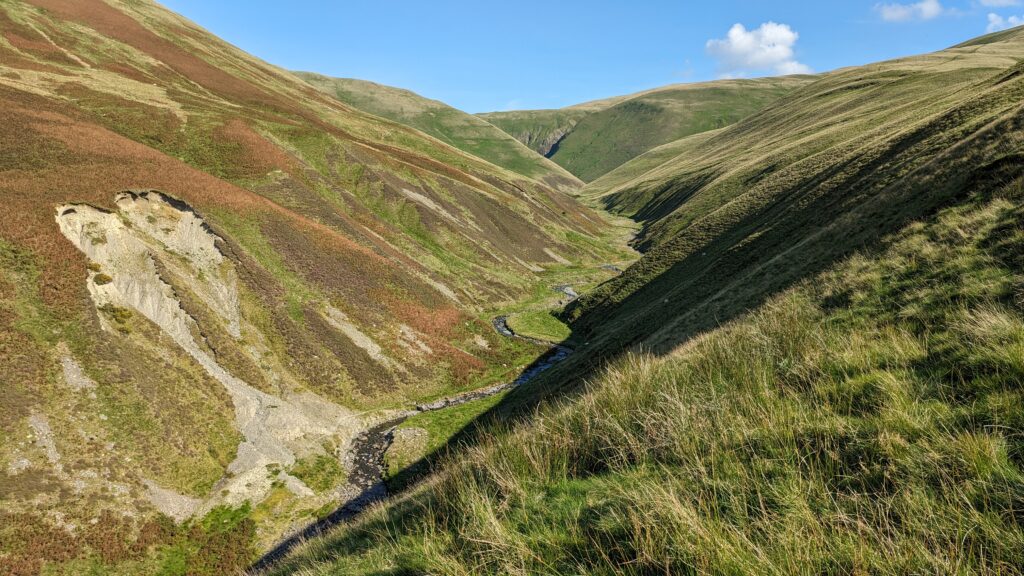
{"x": 815, "y": 367}
{"x": 592, "y": 139}
{"x": 453, "y": 127}
{"x": 746, "y": 210}
{"x": 214, "y": 276}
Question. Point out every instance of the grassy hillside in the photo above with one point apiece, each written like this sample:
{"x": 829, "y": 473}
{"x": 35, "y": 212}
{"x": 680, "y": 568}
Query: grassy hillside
{"x": 592, "y": 139}
{"x": 865, "y": 421}
{"x": 815, "y": 367}
{"x": 752, "y": 208}
{"x": 541, "y": 130}
{"x": 624, "y": 175}
{"x": 212, "y": 276}
{"x": 454, "y": 127}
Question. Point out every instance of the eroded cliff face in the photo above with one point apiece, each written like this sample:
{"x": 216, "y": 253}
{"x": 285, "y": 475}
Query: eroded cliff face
{"x": 143, "y": 257}
{"x": 547, "y": 144}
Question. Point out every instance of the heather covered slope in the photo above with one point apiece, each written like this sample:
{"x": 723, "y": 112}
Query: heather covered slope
{"x": 592, "y": 139}
{"x": 454, "y": 127}
{"x": 213, "y": 275}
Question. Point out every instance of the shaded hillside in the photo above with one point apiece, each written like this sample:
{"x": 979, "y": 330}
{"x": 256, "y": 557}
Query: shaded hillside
{"x": 212, "y": 276}
{"x": 592, "y": 139}
{"x": 453, "y": 127}
{"x": 745, "y": 211}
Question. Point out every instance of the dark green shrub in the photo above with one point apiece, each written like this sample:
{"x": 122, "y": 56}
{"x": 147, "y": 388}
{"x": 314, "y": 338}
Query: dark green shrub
{"x": 102, "y": 279}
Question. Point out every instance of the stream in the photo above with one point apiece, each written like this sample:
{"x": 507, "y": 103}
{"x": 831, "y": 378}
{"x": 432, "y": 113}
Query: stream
{"x": 365, "y": 457}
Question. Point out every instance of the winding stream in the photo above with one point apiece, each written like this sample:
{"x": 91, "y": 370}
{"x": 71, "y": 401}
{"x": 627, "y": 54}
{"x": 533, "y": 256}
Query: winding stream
{"x": 365, "y": 458}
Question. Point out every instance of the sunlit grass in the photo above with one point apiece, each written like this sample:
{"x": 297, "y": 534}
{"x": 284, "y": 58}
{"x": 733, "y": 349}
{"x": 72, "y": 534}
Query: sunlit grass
{"x": 540, "y": 324}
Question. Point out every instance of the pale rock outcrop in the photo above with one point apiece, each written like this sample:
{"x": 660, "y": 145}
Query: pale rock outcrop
{"x": 74, "y": 376}
{"x": 126, "y": 246}
{"x": 169, "y": 502}
{"x": 44, "y": 439}
{"x": 340, "y": 322}
{"x": 18, "y": 465}
{"x": 411, "y": 340}
{"x": 433, "y": 206}
{"x": 528, "y": 266}
{"x": 554, "y": 256}
{"x": 184, "y": 234}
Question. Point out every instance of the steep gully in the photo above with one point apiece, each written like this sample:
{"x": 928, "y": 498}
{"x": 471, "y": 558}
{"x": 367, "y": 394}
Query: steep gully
{"x": 365, "y": 458}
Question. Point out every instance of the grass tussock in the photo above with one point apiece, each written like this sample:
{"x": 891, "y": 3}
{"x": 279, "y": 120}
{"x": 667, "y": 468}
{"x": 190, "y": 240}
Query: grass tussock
{"x": 865, "y": 422}
{"x": 320, "y": 472}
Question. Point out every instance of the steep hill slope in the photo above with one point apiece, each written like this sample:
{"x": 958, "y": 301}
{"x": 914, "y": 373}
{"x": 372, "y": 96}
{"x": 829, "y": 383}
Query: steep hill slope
{"x": 745, "y": 211}
{"x": 591, "y": 139}
{"x": 453, "y": 127}
{"x": 815, "y": 368}
{"x": 212, "y": 276}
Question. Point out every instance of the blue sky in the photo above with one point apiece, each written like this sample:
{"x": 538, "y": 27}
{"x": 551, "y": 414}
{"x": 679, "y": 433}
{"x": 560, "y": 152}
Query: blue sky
{"x": 483, "y": 56}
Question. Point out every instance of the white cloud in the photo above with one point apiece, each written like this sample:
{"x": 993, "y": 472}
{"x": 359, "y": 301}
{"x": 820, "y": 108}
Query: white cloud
{"x": 768, "y": 47}
{"x": 793, "y": 67}
{"x": 923, "y": 10}
{"x": 997, "y": 22}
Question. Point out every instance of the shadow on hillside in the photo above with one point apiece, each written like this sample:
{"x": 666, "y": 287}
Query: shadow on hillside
{"x": 351, "y": 544}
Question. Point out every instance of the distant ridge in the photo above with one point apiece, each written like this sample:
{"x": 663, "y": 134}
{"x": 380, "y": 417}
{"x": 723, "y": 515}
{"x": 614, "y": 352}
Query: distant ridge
{"x": 453, "y": 127}
{"x": 592, "y": 138}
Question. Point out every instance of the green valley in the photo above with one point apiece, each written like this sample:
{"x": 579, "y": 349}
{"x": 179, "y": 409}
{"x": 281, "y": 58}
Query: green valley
{"x": 255, "y": 321}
